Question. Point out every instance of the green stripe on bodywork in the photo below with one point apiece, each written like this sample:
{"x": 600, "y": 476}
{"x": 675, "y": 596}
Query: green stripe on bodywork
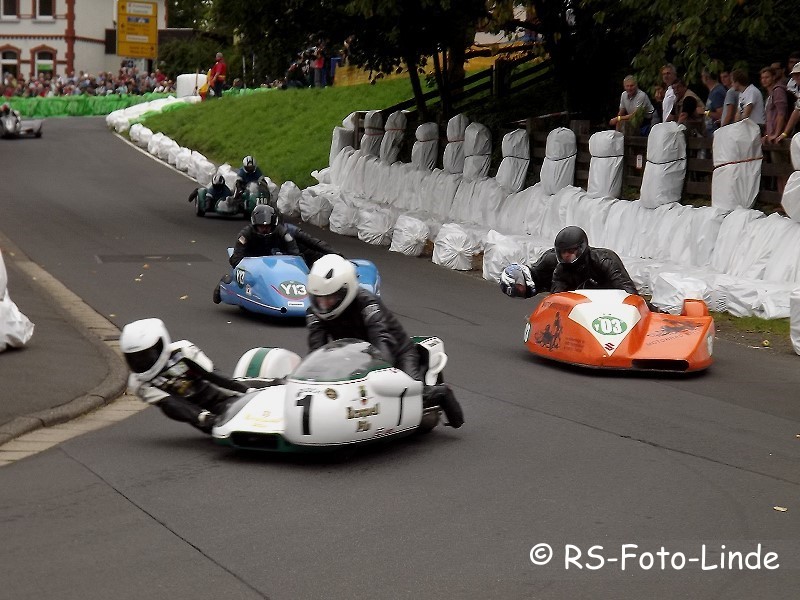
{"x": 254, "y": 368}
{"x": 418, "y": 339}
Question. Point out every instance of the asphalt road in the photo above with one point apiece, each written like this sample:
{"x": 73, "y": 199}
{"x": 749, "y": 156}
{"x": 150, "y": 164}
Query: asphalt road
{"x": 573, "y": 459}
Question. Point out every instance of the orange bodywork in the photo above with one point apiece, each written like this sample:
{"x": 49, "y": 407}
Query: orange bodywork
{"x": 609, "y": 329}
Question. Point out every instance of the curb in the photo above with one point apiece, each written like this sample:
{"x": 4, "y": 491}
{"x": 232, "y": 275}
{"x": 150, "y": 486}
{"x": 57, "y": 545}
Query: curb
{"x": 98, "y": 330}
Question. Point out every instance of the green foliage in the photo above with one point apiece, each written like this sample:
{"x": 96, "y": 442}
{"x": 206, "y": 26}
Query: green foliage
{"x": 696, "y": 34}
{"x": 288, "y": 131}
{"x": 188, "y": 56}
{"x": 193, "y": 14}
{"x": 270, "y": 33}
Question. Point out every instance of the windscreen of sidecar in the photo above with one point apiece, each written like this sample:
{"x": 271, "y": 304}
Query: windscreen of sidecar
{"x": 341, "y": 360}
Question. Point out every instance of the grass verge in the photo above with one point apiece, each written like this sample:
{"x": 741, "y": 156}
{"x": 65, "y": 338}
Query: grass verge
{"x": 288, "y": 131}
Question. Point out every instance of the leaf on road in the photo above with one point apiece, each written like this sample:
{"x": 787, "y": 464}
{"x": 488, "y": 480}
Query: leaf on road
{"x": 780, "y": 508}
{"x": 184, "y": 297}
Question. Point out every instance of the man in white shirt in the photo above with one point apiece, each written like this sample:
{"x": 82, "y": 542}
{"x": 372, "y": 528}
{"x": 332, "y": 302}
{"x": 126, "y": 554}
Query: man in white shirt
{"x": 751, "y": 102}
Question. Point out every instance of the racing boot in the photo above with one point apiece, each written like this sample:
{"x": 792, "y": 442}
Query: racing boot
{"x": 444, "y": 397}
{"x": 205, "y": 421}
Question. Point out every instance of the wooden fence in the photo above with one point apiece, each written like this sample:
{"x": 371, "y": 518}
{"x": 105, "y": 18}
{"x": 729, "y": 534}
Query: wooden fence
{"x": 775, "y": 169}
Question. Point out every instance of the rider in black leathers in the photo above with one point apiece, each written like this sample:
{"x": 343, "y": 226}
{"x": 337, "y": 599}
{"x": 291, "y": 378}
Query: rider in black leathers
{"x": 248, "y": 173}
{"x": 582, "y": 267}
{"x": 366, "y": 318}
{"x": 263, "y": 237}
{"x": 340, "y": 309}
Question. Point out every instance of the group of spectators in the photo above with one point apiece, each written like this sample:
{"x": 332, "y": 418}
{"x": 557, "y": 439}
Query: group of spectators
{"x": 309, "y": 69}
{"x": 128, "y": 80}
{"x": 731, "y": 97}
{"x": 316, "y": 65}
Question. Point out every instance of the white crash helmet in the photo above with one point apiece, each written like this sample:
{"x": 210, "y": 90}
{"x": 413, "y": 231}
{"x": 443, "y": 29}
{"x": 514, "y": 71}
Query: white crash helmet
{"x": 249, "y": 164}
{"x": 145, "y": 345}
{"x": 332, "y": 285}
{"x": 516, "y": 281}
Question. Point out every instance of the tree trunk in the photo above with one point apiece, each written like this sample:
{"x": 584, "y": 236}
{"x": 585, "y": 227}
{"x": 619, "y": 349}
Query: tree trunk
{"x": 413, "y": 75}
{"x": 441, "y": 83}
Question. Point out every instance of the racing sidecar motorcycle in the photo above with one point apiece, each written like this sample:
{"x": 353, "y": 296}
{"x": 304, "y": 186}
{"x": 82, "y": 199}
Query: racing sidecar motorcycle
{"x": 276, "y": 285}
{"x": 339, "y": 395}
{"x": 236, "y": 205}
{"x": 611, "y": 329}
{"x": 13, "y": 126}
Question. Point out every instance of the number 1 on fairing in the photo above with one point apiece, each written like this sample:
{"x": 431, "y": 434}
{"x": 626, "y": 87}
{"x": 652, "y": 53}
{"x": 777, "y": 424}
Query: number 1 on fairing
{"x": 305, "y": 402}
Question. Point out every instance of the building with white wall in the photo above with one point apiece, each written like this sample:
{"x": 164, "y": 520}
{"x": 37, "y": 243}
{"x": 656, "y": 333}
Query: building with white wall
{"x": 61, "y": 36}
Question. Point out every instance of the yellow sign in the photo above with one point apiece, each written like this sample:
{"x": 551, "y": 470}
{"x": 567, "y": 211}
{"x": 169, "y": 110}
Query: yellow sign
{"x": 137, "y": 29}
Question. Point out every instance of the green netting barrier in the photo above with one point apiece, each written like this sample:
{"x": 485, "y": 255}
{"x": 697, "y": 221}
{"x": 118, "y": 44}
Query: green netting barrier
{"x": 87, "y": 106}
{"x": 72, "y": 106}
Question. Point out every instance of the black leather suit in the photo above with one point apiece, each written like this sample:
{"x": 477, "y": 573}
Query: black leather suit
{"x": 597, "y": 268}
{"x": 366, "y": 318}
{"x": 249, "y": 243}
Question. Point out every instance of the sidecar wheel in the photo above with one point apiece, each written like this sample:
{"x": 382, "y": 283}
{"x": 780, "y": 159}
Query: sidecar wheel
{"x": 197, "y": 210}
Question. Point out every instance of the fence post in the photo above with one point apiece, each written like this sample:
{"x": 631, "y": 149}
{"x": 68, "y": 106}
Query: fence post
{"x": 500, "y": 75}
{"x": 579, "y": 126}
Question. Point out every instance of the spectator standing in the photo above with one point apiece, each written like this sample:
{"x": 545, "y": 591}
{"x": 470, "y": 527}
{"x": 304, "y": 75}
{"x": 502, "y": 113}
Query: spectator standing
{"x": 318, "y": 64}
{"x": 776, "y": 106}
{"x": 686, "y": 102}
{"x": 217, "y": 75}
{"x": 668, "y": 76}
{"x": 731, "y": 104}
{"x": 633, "y": 101}
{"x": 791, "y": 84}
{"x": 715, "y": 101}
{"x": 795, "y": 116}
{"x": 751, "y": 102}
{"x": 658, "y": 103}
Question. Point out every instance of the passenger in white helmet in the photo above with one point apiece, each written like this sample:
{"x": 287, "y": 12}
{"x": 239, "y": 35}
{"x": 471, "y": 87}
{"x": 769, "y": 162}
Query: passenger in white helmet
{"x": 175, "y": 376}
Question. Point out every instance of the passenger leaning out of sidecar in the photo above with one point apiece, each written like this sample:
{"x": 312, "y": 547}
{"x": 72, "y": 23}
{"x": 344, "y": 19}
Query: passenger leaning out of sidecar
{"x": 265, "y": 236}
{"x": 175, "y": 376}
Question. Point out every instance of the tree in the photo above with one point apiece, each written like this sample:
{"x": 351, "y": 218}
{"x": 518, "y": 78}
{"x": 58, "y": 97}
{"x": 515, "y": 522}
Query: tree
{"x": 399, "y": 34}
{"x": 270, "y": 33}
{"x": 696, "y": 34}
{"x": 593, "y": 44}
{"x": 188, "y": 13}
